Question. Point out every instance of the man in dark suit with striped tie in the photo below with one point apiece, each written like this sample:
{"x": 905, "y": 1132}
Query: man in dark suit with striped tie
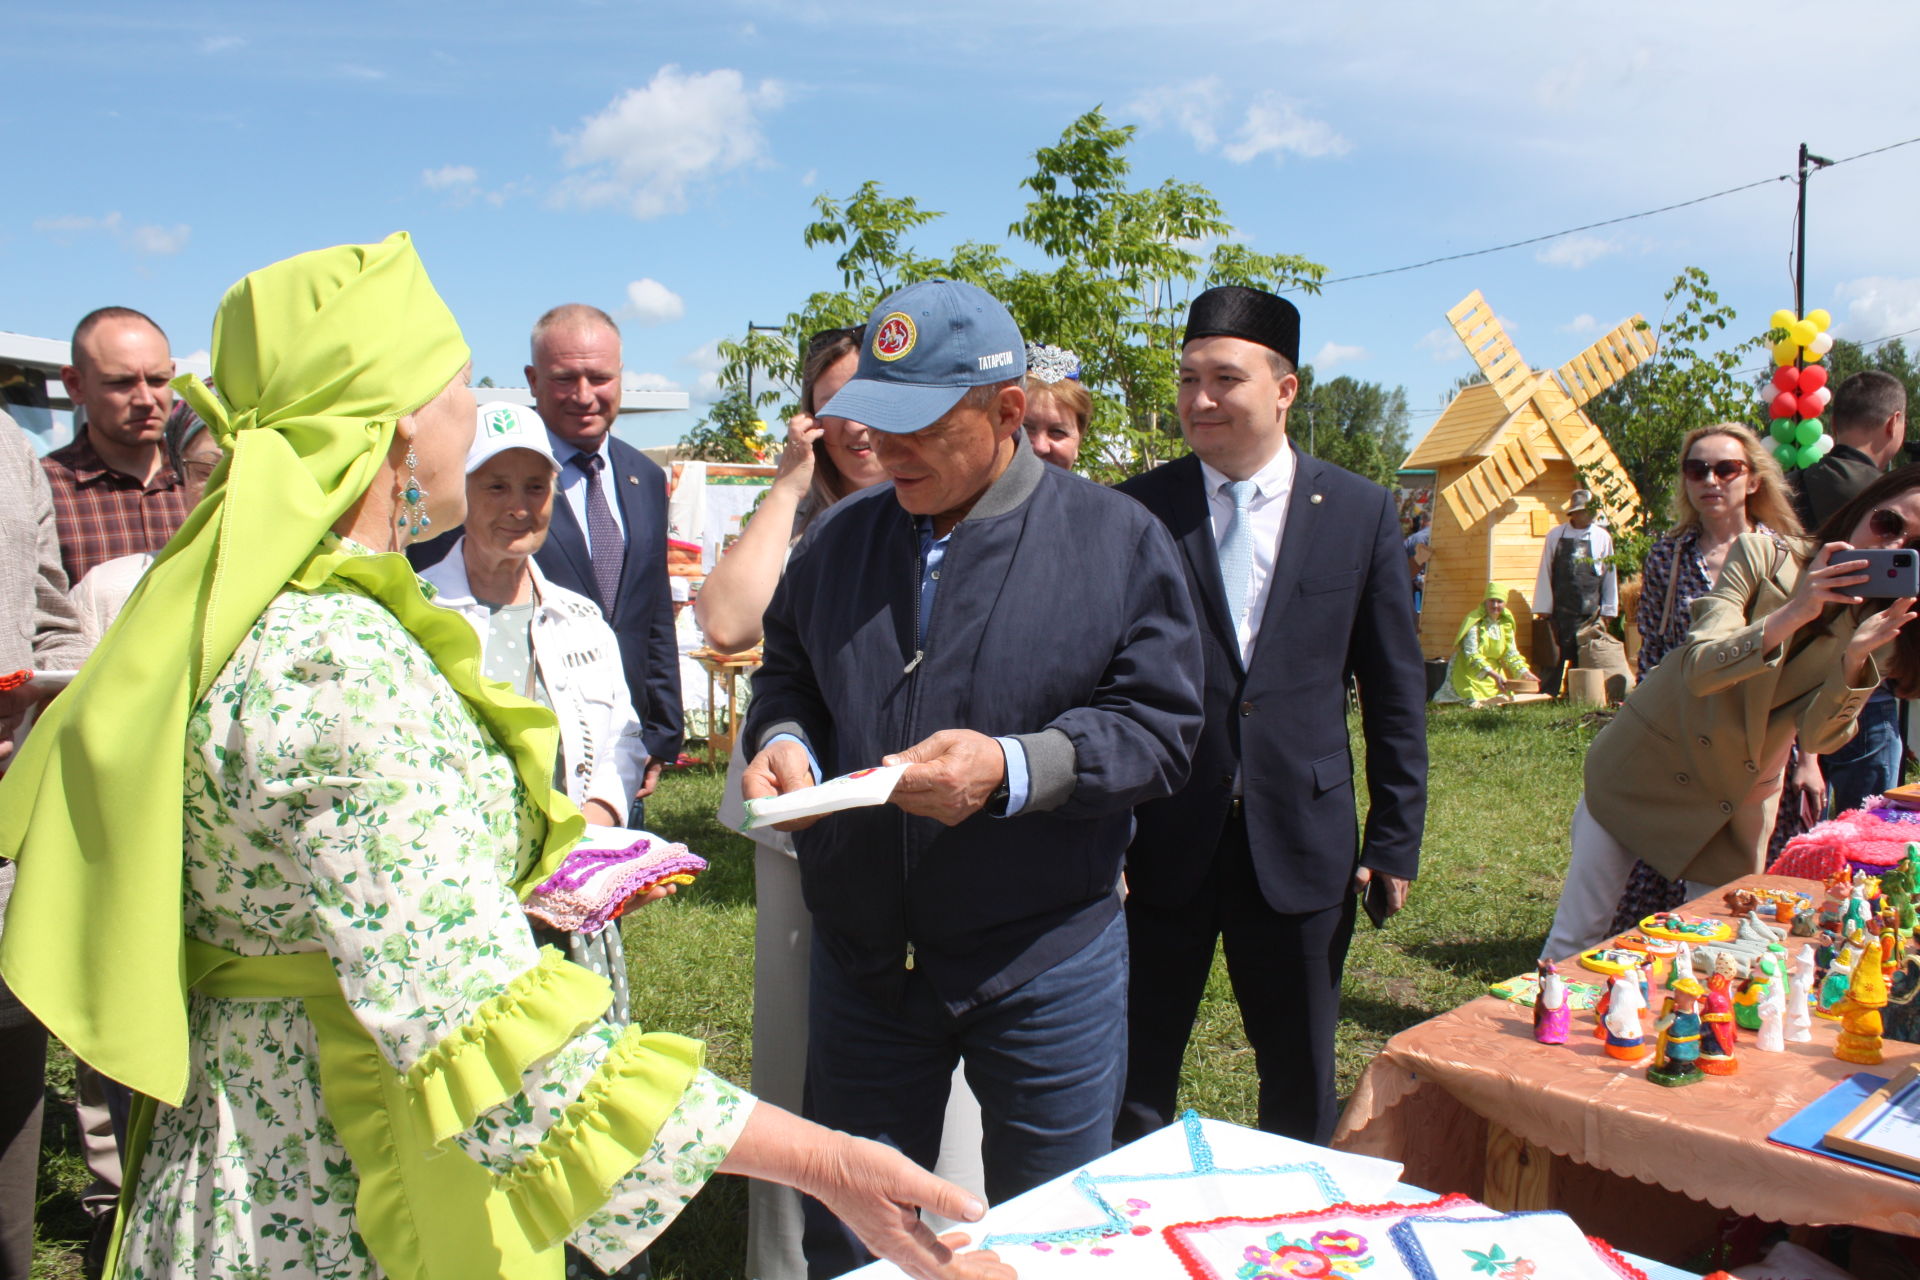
{"x": 1298, "y": 573}
{"x": 608, "y": 539}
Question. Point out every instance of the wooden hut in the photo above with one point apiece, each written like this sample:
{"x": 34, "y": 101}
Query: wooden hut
{"x": 1506, "y": 453}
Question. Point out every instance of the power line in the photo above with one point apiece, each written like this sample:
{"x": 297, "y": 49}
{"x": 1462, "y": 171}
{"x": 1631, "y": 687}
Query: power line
{"x": 1609, "y": 222}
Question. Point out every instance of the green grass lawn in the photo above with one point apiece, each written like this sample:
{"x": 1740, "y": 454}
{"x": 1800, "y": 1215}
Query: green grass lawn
{"x": 1502, "y": 787}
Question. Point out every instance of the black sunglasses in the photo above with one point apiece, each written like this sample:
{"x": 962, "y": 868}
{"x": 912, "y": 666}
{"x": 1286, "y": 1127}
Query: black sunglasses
{"x": 856, "y": 333}
{"x": 1885, "y": 522}
{"x": 1697, "y": 469}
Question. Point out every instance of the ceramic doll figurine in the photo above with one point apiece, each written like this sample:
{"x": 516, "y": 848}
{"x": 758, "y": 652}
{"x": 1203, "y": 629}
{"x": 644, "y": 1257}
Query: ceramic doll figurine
{"x": 1772, "y": 1036}
{"x": 1682, "y": 963}
{"x": 1747, "y": 995}
{"x": 1839, "y": 892}
{"x": 1839, "y": 973}
{"x": 1799, "y": 992}
{"x": 1859, "y": 1010}
{"x": 1552, "y": 1014}
{"x": 1626, "y": 1034}
{"x": 1677, "y": 1052}
{"x": 1719, "y": 1032}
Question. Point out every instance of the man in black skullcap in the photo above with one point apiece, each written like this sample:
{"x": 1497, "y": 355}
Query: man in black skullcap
{"x": 1298, "y": 572}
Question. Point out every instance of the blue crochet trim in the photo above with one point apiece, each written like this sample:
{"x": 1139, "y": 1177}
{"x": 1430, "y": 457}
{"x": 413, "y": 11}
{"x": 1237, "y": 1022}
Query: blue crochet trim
{"x": 1114, "y": 1222}
{"x": 1414, "y": 1255}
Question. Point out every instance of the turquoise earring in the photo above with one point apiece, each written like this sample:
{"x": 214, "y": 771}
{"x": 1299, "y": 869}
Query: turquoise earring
{"x": 413, "y": 517}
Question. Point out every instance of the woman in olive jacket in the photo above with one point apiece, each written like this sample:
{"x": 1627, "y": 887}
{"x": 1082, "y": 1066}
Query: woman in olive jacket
{"x": 1687, "y": 776}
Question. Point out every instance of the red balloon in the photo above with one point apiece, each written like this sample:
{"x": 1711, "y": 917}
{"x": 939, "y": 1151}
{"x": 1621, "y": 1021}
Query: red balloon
{"x": 1812, "y": 378}
{"x": 1808, "y": 406}
{"x": 1787, "y": 378}
{"x": 1786, "y": 405}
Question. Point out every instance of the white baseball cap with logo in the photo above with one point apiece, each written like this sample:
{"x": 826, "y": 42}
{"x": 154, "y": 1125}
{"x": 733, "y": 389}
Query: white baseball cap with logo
{"x": 505, "y": 426}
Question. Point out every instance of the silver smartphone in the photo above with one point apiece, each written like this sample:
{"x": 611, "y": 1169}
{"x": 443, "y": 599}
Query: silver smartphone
{"x": 1892, "y": 572}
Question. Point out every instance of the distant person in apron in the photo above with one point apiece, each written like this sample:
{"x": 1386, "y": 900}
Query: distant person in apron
{"x": 1576, "y": 585}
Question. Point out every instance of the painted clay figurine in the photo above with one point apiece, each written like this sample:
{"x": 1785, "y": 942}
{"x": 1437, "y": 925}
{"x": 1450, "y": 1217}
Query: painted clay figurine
{"x": 1859, "y": 1010}
{"x": 1839, "y": 973}
{"x": 1677, "y": 1053}
{"x": 1719, "y": 1033}
{"x": 1799, "y": 992}
{"x": 1552, "y": 1014}
{"x": 1626, "y": 1034}
{"x": 1772, "y": 1035}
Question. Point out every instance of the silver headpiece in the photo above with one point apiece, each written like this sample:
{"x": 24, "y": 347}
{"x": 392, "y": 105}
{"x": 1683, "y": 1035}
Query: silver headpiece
{"x": 1051, "y": 364}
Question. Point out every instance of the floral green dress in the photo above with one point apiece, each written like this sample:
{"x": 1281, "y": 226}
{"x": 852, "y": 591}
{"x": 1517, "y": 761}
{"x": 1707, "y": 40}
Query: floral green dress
{"x": 340, "y": 796}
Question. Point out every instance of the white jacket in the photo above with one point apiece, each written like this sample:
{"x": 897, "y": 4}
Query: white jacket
{"x": 602, "y": 756}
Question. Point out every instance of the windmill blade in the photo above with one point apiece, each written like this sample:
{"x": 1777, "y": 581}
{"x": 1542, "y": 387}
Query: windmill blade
{"x": 1618, "y": 352}
{"x": 1487, "y": 342}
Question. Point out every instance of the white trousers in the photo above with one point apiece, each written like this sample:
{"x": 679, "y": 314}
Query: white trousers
{"x": 1597, "y": 876}
{"x": 782, "y": 942}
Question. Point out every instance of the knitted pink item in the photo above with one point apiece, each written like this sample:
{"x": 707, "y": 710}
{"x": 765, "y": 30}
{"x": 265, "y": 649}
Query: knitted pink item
{"x": 1859, "y": 839}
{"x": 593, "y": 886}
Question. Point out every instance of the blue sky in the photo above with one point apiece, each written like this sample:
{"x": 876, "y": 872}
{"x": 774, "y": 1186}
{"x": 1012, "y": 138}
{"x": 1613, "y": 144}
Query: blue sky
{"x": 660, "y": 159}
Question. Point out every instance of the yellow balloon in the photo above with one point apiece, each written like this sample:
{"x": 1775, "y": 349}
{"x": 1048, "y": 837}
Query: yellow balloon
{"x": 1784, "y": 352}
{"x": 1820, "y": 319}
{"x": 1815, "y": 357}
{"x": 1802, "y": 332}
{"x": 1782, "y": 319}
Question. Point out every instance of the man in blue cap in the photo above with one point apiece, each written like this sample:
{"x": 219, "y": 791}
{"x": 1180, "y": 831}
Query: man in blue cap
{"x": 1024, "y": 641}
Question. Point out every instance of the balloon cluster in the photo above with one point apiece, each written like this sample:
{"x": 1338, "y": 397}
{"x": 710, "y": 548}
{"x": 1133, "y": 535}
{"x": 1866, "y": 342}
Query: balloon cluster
{"x": 1800, "y": 391}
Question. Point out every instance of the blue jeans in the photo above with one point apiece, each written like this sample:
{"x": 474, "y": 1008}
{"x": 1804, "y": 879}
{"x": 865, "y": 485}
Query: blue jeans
{"x": 1046, "y": 1060}
{"x": 1870, "y": 763}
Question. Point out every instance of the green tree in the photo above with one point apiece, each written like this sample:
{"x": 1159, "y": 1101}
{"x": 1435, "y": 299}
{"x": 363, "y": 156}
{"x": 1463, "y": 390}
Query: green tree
{"x": 1362, "y": 426}
{"x": 731, "y": 432}
{"x": 1121, "y": 265}
{"x": 1689, "y": 383}
{"x": 1848, "y": 358}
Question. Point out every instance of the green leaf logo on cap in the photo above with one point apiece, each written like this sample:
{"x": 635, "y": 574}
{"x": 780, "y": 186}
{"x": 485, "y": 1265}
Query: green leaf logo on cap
{"x": 500, "y": 422}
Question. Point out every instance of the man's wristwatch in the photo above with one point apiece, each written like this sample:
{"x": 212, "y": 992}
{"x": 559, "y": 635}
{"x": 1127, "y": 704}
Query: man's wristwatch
{"x": 997, "y": 802}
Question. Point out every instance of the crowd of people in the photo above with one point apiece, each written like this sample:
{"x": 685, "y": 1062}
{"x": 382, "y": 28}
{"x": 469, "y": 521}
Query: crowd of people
{"x": 378, "y": 655}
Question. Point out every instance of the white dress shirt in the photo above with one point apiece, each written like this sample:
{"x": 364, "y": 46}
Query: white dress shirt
{"x": 1273, "y": 491}
{"x": 573, "y": 484}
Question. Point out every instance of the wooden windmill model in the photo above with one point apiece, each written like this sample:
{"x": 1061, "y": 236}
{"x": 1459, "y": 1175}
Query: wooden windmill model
{"x": 1505, "y": 455}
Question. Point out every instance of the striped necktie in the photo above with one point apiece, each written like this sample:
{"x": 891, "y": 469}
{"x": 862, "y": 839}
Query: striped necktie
{"x": 605, "y": 547}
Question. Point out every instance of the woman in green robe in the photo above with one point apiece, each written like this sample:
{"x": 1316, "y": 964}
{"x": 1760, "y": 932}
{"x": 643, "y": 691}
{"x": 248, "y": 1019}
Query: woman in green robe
{"x": 1486, "y": 661}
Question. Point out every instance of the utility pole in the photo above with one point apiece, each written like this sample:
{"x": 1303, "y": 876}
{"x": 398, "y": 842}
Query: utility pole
{"x": 753, "y": 328}
{"x": 1808, "y": 163}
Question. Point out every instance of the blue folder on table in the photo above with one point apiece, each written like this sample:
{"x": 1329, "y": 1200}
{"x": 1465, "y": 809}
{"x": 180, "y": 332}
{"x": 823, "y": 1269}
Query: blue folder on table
{"x": 1807, "y": 1129}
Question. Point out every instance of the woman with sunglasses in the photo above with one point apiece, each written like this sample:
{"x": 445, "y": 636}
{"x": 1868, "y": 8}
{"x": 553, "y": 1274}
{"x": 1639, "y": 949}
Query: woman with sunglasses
{"x": 1729, "y": 485}
{"x": 1688, "y": 775}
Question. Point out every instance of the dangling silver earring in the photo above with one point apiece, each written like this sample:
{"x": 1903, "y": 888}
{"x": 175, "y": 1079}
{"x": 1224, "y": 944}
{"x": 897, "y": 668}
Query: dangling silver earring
{"x": 413, "y": 518}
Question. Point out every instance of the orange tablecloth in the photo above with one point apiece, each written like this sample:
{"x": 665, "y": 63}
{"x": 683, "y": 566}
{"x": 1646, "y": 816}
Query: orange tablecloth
{"x": 1425, "y": 1100}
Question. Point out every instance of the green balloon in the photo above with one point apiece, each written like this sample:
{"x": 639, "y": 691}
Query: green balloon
{"x": 1807, "y": 454}
{"x": 1787, "y": 453}
{"x": 1807, "y": 432}
{"x": 1782, "y": 429}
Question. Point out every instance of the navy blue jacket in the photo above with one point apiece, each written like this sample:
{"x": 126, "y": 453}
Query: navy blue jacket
{"x": 1062, "y": 616}
{"x": 1337, "y": 606}
{"x": 643, "y": 610}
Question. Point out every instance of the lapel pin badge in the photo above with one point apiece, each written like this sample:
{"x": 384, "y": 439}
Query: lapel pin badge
{"x": 633, "y": 479}
{"x": 1315, "y": 499}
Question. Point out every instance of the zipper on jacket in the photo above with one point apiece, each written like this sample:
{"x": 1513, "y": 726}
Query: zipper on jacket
{"x": 913, "y": 690}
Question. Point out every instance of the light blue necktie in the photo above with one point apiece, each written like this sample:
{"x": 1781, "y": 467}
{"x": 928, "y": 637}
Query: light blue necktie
{"x": 1236, "y": 550}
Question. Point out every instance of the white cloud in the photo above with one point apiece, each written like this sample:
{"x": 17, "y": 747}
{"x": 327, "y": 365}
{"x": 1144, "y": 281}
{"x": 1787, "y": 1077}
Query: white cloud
{"x": 159, "y": 240}
{"x": 1878, "y": 307}
{"x": 1269, "y": 125}
{"x": 706, "y": 360}
{"x": 808, "y": 178}
{"x": 449, "y": 177}
{"x": 202, "y": 356}
{"x": 1582, "y": 323}
{"x": 1575, "y": 252}
{"x": 650, "y": 145}
{"x": 1333, "y": 353}
{"x": 1442, "y": 344}
{"x": 633, "y": 380}
{"x": 146, "y": 238}
{"x": 222, "y": 44}
{"x": 651, "y": 302}
{"x": 358, "y": 71}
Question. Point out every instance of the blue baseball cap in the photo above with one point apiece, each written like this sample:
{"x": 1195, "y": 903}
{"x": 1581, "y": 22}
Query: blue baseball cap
{"x": 927, "y": 346}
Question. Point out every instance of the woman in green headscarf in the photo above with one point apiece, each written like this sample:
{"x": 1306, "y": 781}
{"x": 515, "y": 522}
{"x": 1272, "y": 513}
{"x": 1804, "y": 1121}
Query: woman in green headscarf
{"x": 1486, "y": 662}
{"x": 363, "y": 1065}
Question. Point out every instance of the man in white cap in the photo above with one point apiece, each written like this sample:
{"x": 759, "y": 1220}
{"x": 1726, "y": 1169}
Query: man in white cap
{"x": 1577, "y": 584}
{"x": 1024, "y": 641}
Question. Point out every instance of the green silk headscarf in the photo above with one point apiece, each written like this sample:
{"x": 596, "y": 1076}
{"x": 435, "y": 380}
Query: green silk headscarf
{"x": 1494, "y": 591}
{"x": 315, "y": 359}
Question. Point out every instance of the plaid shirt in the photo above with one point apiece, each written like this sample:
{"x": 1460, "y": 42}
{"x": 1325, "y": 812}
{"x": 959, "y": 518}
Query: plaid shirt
{"x": 102, "y": 513}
